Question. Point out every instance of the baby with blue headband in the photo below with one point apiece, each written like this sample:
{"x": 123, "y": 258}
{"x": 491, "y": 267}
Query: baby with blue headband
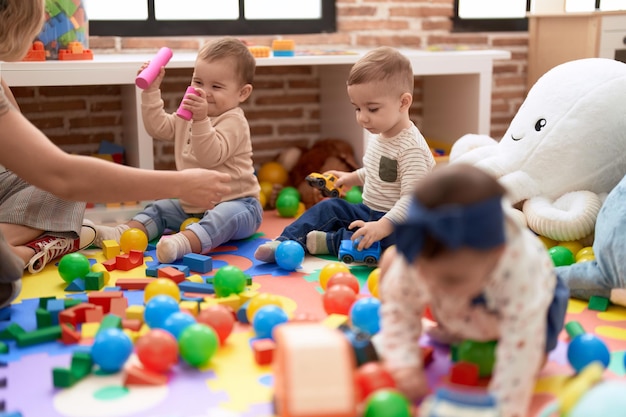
{"x": 483, "y": 275}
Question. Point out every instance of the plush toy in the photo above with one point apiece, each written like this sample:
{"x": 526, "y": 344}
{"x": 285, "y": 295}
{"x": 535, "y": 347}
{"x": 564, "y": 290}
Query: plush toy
{"x": 564, "y": 150}
{"x": 606, "y": 275}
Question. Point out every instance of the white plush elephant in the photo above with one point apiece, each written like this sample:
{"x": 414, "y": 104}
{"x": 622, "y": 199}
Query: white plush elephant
{"x": 564, "y": 150}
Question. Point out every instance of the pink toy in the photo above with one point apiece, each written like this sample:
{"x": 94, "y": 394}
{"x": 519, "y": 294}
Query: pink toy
{"x": 184, "y": 113}
{"x": 148, "y": 75}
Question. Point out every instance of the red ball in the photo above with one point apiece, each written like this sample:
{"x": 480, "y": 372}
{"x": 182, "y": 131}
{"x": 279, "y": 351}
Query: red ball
{"x": 338, "y": 299}
{"x": 345, "y": 278}
{"x": 219, "y": 318}
{"x": 157, "y": 350}
{"x": 371, "y": 377}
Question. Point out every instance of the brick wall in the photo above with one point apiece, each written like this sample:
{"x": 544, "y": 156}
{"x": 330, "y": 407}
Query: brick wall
{"x": 284, "y": 109}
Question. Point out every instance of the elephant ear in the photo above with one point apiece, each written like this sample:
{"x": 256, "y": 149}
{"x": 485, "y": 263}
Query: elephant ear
{"x": 570, "y": 217}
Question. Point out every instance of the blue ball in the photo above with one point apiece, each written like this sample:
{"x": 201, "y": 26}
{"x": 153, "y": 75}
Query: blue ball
{"x": 587, "y": 348}
{"x": 365, "y": 315}
{"x": 266, "y": 318}
{"x": 289, "y": 255}
{"x": 158, "y": 309}
{"x": 177, "y": 322}
{"x": 110, "y": 350}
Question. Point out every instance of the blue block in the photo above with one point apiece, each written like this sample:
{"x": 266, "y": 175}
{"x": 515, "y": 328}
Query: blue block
{"x": 78, "y": 285}
{"x": 284, "y": 53}
{"x": 197, "y": 287}
{"x": 55, "y": 307}
{"x": 198, "y": 263}
{"x": 242, "y": 313}
{"x": 5, "y": 313}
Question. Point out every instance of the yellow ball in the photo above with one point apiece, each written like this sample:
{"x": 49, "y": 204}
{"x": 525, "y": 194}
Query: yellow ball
{"x": 588, "y": 258}
{"x": 573, "y": 246}
{"x": 547, "y": 242}
{"x": 267, "y": 188}
{"x": 133, "y": 239}
{"x": 161, "y": 286}
{"x": 273, "y": 172}
{"x": 260, "y": 300}
{"x": 301, "y": 209}
{"x": 586, "y": 252}
{"x": 187, "y": 222}
{"x": 372, "y": 281}
{"x": 262, "y": 200}
{"x": 329, "y": 270}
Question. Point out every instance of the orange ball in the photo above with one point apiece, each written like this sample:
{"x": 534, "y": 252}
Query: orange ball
{"x": 133, "y": 239}
{"x": 273, "y": 172}
{"x": 344, "y": 278}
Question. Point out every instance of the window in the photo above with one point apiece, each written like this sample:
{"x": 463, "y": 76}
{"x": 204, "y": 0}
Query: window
{"x": 209, "y": 17}
{"x": 510, "y": 15}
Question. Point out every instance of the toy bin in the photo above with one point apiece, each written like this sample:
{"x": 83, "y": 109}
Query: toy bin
{"x": 65, "y": 34}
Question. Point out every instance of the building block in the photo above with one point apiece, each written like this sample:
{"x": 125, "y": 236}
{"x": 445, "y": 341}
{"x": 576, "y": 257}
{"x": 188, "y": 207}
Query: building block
{"x": 171, "y": 273}
{"x": 464, "y": 373}
{"x": 598, "y": 303}
{"x": 119, "y": 306}
{"x": 43, "y": 318}
{"x": 89, "y": 330}
{"x": 55, "y": 306}
{"x": 132, "y": 324}
{"x": 260, "y": 51}
{"x": 198, "y": 288}
{"x": 151, "y": 269}
{"x": 263, "y": 351}
{"x": 62, "y": 377}
{"x": 77, "y": 285}
{"x": 69, "y": 335}
{"x": 94, "y": 281}
{"x": 103, "y": 299}
{"x": 4, "y": 348}
{"x": 94, "y": 315}
{"x": 71, "y": 302}
{"x": 36, "y": 52}
{"x": 110, "y": 249}
{"x": 75, "y": 52}
{"x": 98, "y": 267}
{"x": 283, "y": 47}
{"x": 135, "y": 312}
{"x": 110, "y": 321}
{"x": 136, "y": 375}
{"x": 182, "y": 268}
{"x": 110, "y": 264}
{"x": 82, "y": 364}
{"x": 242, "y": 313}
{"x": 47, "y": 334}
{"x": 133, "y": 283}
{"x": 76, "y": 314}
{"x": 11, "y": 332}
{"x": 128, "y": 261}
{"x": 198, "y": 263}
{"x": 195, "y": 278}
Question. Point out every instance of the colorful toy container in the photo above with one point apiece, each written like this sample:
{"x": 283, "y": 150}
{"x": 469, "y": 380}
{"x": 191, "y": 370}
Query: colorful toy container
{"x": 65, "y": 34}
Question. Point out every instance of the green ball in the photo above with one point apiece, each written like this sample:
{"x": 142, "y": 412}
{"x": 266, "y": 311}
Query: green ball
{"x": 482, "y": 354}
{"x": 197, "y": 344}
{"x": 291, "y": 191}
{"x": 287, "y": 205}
{"x": 354, "y": 195}
{"x": 229, "y": 280}
{"x": 561, "y": 256}
{"x": 387, "y": 403}
{"x": 73, "y": 265}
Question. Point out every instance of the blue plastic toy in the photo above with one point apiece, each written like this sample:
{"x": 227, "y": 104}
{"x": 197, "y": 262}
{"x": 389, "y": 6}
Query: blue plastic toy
{"x": 349, "y": 253}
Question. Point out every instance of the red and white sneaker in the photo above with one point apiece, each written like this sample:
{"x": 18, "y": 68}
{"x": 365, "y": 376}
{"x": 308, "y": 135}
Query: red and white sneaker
{"x": 48, "y": 248}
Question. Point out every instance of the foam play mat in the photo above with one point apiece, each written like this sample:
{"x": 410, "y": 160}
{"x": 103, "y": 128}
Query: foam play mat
{"x": 232, "y": 383}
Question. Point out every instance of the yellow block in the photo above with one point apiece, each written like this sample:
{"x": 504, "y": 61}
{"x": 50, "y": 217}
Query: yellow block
{"x": 195, "y": 278}
{"x": 110, "y": 249}
{"x": 191, "y": 306}
{"x": 135, "y": 312}
{"x": 89, "y": 330}
{"x": 335, "y": 320}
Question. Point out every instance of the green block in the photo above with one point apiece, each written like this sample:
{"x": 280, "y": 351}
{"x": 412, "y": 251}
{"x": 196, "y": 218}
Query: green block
{"x": 110, "y": 321}
{"x": 43, "y": 317}
{"x": 71, "y": 302}
{"x": 574, "y": 328}
{"x": 482, "y": 354}
{"x": 82, "y": 364}
{"x": 598, "y": 303}
{"x": 47, "y": 334}
{"x": 43, "y": 301}
{"x": 4, "y": 348}
{"x": 11, "y": 332}
{"x": 94, "y": 280}
{"x": 62, "y": 378}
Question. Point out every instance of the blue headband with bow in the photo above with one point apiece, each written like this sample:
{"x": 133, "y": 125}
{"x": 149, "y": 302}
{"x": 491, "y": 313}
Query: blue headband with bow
{"x": 479, "y": 225}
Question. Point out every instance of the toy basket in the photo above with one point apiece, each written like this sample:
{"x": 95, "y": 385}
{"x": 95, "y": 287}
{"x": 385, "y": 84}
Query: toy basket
{"x": 66, "y": 30}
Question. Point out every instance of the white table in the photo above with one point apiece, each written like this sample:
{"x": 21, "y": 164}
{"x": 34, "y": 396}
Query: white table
{"x": 456, "y": 91}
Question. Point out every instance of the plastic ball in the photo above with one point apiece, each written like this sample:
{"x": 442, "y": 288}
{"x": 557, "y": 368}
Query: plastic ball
{"x": 587, "y": 348}
{"x": 585, "y": 259}
{"x": 371, "y": 377}
{"x": 262, "y": 200}
{"x": 111, "y": 348}
{"x": 586, "y": 252}
{"x": 73, "y": 265}
{"x": 329, "y": 270}
{"x": 573, "y": 246}
{"x": 561, "y": 256}
{"x": 301, "y": 209}
{"x": 161, "y": 286}
{"x": 354, "y": 195}
{"x": 365, "y": 315}
{"x": 287, "y": 205}
{"x": 178, "y": 321}
{"x": 605, "y": 399}
{"x": 158, "y": 309}
{"x": 261, "y": 300}
{"x": 266, "y": 319}
{"x": 267, "y": 188}
{"x": 197, "y": 344}
{"x": 133, "y": 239}
{"x": 273, "y": 172}
{"x": 289, "y": 255}
{"x": 387, "y": 403}
{"x": 157, "y": 350}
{"x": 345, "y": 278}
{"x": 482, "y": 354}
{"x": 187, "y": 222}
{"x": 338, "y": 299}
{"x": 547, "y": 242}
{"x": 220, "y": 318}
{"x": 229, "y": 280}
{"x": 290, "y": 191}
{"x": 373, "y": 280}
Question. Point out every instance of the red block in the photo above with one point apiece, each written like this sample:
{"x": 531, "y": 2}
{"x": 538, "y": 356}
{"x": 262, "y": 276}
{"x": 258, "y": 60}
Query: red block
{"x": 263, "y": 351}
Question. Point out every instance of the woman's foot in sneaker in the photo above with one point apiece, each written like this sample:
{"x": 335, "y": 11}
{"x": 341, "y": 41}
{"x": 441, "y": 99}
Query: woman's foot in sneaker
{"x": 47, "y": 248}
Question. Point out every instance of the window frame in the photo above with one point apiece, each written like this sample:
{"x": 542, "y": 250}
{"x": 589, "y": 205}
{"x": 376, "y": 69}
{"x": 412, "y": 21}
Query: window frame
{"x": 488, "y": 25}
{"x": 152, "y": 27}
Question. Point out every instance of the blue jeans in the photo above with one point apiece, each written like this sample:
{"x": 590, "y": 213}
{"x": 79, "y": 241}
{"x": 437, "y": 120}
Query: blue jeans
{"x": 230, "y": 220}
{"x": 332, "y": 216}
{"x": 608, "y": 270}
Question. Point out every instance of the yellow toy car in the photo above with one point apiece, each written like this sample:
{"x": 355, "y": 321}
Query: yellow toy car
{"x": 325, "y": 183}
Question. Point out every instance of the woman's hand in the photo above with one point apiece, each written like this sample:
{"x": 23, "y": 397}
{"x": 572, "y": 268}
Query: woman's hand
{"x": 204, "y": 187}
